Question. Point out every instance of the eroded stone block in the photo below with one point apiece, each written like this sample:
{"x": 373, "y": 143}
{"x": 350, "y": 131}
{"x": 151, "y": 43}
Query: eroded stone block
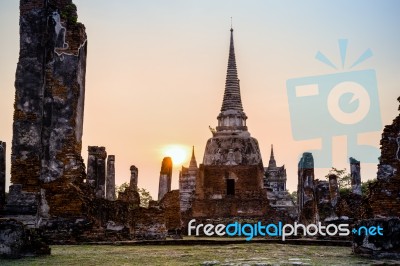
{"x": 17, "y": 241}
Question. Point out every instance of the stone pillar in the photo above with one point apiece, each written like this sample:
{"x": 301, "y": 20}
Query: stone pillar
{"x": 96, "y": 174}
{"x": 2, "y": 173}
{"x": 333, "y": 190}
{"x": 110, "y": 183}
{"x": 165, "y": 177}
{"x": 355, "y": 176}
{"x": 49, "y": 96}
{"x": 305, "y": 190}
{"x": 101, "y": 174}
{"x": 133, "y": 183}
{"x": 91, "y": 174}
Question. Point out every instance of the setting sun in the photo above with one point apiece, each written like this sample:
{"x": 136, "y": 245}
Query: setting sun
{"x": 178, "y": 153}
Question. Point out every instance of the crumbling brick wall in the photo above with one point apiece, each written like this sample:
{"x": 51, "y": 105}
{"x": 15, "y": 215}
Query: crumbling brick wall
{"x": 384, "y": 195}
{"x": 171, "y": 206}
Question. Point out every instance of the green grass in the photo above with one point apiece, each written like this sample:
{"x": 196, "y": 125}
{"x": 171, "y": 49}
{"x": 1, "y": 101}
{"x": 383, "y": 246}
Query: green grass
{"x": 235, "y": 254}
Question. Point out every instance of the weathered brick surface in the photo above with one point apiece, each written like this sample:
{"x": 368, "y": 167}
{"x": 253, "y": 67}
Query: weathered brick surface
{"x": 170, "y": 205}
{"x": 150, "y": 224}
{"x": 212, "y": 199}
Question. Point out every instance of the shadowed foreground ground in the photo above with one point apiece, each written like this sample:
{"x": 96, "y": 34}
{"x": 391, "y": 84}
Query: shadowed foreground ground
{"x": 235, "y": 254}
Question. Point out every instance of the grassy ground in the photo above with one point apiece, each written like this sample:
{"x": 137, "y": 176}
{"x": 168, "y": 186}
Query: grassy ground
{"x": 235, "y": 254}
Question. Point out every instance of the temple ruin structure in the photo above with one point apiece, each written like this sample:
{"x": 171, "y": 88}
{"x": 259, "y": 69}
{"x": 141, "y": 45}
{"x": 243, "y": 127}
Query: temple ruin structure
{"x": 230, "y": 179}
{"x": 275, "y": 183}
{"x": 275, "y": 177}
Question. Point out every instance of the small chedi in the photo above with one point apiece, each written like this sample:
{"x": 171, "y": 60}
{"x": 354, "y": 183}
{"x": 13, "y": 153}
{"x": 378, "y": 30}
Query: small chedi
{"x": 275, "y": 183}
{"x": 187, "y": 184}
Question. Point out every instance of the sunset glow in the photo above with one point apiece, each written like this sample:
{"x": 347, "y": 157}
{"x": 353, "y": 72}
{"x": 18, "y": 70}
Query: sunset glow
{"x": 178, "y": 153}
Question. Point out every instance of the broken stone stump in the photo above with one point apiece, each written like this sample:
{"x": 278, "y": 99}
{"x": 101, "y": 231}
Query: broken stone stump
{"x": 333, "y": 190}
{"x": 322, "y": 196}
{"x": 133, "y": 183}
{"x": 16, "y": 241}
{"x": 380, "y": 240}
{"x": 305, "y": 189}
{"x": 355, "y": 176}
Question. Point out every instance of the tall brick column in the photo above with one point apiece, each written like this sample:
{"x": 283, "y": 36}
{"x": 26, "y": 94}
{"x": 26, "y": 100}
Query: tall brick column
{"x": 48, "y": 108}
{"x": 49, "y": 96}
{"x": 96, "y": 170}
{"x": 165, "y": 177}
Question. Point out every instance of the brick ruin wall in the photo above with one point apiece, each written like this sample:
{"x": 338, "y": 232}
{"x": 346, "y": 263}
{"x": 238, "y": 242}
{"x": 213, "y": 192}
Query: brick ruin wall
{"x": 384, "y": 195}
{"x": 383, "y": 200}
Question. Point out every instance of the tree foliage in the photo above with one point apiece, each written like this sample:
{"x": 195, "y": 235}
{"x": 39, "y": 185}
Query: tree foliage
{"x": 344, "y": 181}
{"x": 344, "y": 177}
{"x": 145, "y": 197}
{"x": 293, "y": 195}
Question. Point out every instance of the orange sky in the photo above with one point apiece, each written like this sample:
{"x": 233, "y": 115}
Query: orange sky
{"x": 156, "y": 73}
